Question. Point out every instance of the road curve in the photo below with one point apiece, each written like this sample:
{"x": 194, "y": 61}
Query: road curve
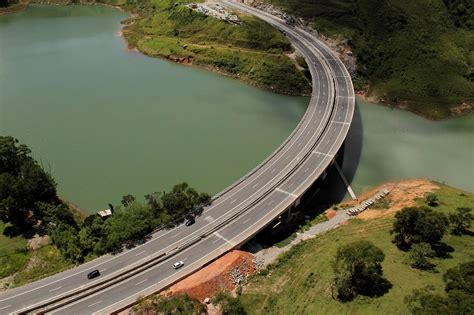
{"x": 235, "y": 215}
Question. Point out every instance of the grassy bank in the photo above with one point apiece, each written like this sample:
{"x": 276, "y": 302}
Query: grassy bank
{"x": 27, "y": 265}
{"x": 412, "y": 54}
{"x": 253, "y": 51}
{"x": 299, "y": 282}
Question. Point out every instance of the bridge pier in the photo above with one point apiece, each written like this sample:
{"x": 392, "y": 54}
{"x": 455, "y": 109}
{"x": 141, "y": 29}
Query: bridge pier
{"x": 344, "y": 180}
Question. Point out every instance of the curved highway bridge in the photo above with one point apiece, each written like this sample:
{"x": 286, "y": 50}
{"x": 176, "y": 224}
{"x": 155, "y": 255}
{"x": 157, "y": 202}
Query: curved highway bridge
{"x": 235, "y": 214}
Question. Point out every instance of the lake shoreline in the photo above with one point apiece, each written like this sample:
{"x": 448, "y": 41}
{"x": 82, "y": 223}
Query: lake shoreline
{"x": 460, "y": 110}
{"x": 14, "y": 8}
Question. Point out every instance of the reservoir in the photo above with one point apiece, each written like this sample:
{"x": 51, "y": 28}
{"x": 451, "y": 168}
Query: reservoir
{"x": 106, "y": 122}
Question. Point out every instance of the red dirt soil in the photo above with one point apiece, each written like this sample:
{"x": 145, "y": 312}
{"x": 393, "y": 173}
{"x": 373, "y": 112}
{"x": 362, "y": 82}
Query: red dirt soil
{"x": 214, "y": 277}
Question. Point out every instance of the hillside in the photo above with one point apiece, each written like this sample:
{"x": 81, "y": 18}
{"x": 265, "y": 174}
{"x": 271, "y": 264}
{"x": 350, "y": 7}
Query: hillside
{"x": 252, "y": 51}
{"x": 299, "y": 282}
{"x": 417, "y": 55}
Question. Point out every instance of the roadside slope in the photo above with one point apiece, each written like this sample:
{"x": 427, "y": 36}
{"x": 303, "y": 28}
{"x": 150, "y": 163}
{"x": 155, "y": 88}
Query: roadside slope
{"x": 299, "y": 282}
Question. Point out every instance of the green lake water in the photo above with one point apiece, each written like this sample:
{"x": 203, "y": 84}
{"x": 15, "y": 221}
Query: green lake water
{"x": 106, "y": 122}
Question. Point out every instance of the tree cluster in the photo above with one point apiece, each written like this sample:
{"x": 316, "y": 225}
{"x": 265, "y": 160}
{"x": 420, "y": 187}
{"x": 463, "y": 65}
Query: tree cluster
{"x": 459, "y": 298}
{"x": 27, "y": 193}
{"x": 130, "y": 224}
{"x": 420, "y": 231}
{"x": 461, "y": 12}
{"x": 418, "y": 225}
{"x": 358, "y": 271}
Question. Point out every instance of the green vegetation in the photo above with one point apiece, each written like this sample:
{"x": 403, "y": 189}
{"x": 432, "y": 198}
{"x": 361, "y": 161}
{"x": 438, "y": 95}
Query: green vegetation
{"x": 417, "y": 225}
{"x": 420, "y": 254}
{"x": 27, "y": 265}
{"x": 461, "y": 220}
{"x": 358, "y": 271}
{"x": 177, "y": 305}
{"x": 301, "y": 280}
{"x": 43, "y": 262}
{"x": 128, "y": 225}
{"x": 253, "y": 51}
{"x": 417, "y": 54}
{"x": 29, "y": 205}
{"x": 229, "y": 305}
{"x": 13, "y": 253}
{"x": 458, "y": 300}
{"x": 27, "y": 193}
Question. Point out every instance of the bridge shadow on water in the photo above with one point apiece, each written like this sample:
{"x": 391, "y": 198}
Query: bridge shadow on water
{"x": 321, "y": 196}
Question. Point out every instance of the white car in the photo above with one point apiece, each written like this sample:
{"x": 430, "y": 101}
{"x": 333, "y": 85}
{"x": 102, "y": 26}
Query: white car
{"x": 178, "y": 264}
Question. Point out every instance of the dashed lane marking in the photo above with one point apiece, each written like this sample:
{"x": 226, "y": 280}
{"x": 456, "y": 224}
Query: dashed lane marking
{"x": 138, "y": 283}
{"x": 285, "y": 192}
{"x": 52, "y": 290}
{"x": 222, "y": 237}
{"x": 95, "y": 303}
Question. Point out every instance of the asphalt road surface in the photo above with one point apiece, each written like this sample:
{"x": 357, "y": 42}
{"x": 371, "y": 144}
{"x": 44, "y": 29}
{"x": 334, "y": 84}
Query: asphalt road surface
{"x": 235, "y": 215}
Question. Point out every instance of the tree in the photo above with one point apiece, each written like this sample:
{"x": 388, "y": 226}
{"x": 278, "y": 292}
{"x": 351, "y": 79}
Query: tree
{"x": 416, "y": 225}
{"x": 458, "y": 300}
{"x": 461, "y": 220}
{"x": 432, "y": 200}
{"x": 23, "y": 183}
{"x": 358, "y": 270}
{"x": 127, "y": 199}
{"x": 420, "y": 254}
{"x": 460, "y": 278}
{"x": 183, "y": 198}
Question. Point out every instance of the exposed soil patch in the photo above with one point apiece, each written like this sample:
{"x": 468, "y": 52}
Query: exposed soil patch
{"x": 215, "y": 276}
{"x": 402, "y": 194}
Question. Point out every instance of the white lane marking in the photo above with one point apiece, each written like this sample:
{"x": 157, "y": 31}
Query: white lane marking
{"x": 222, "y": 237}
{"x": 272, "y": 171}
{"x": 270, "y": 202}
{"x": 138, "y": 283}
{"x": 138, "y": 254}
{"x": 2, "y": 308}
{"x": 285, "y": 192}
{"x": 209, "y": 219}
{"x": 95, "y": 303}
{"x": 102, "y": 270}
{"x": 232, "y": 202}
{"x": 255, "y": 186}
{"x": 246, "y": 221}
{"x": 55, "y": 289}
{"x": 306, "y": 169}
{"x": 340, "y": 122}
{"x": 321, "y": 153}
{"x": 176, "y": 235}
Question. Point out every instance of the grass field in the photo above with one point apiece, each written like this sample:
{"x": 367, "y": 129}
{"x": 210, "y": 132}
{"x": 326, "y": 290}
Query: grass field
{"x": 418, "y": 54}
{"x": 299, "y": 282}
{"x": 253, "y": 51}
{"x": 27, "y": 265}
{"x": 13, "y": 253}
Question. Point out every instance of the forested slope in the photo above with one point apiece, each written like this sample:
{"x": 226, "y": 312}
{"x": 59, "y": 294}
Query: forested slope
{"x": 415, "y": 54}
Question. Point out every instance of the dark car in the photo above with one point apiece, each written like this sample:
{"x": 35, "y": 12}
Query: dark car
{"x": 190, "y": 221}
{"x": 93, "y": 274}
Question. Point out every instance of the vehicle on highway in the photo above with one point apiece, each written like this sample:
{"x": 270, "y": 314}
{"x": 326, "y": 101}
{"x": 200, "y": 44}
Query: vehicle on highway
{"x": 190, "y": 221}
{"x": 178, "y": 264}
{"x": 93, "y": 274}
